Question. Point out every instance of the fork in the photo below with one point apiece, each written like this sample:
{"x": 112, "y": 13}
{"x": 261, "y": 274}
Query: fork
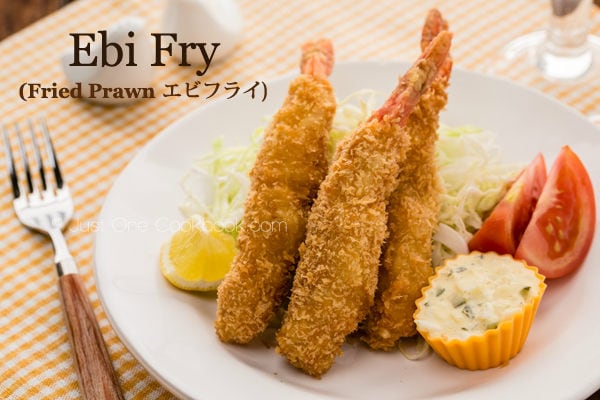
{"x": 49, "y": 211}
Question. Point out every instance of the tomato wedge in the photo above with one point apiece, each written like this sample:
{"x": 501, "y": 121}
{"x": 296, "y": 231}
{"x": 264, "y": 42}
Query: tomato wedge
{"x": 502, "y": 230}
{"x": 561, "y": 229}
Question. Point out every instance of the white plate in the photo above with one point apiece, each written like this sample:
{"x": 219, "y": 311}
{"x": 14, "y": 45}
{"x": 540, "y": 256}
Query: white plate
{"x": 171, "y": 331}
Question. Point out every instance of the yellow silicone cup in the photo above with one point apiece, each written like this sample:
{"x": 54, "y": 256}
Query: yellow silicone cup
{"x": 493, "y": 348}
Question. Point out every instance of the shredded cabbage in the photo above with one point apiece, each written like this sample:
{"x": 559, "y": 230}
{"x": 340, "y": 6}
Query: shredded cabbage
{"x": 472, "y": 175}
{"x": 474, "y": 179}
{"x": 217, "y": 184}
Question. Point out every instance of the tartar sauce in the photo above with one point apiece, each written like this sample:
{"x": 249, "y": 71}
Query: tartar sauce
{"x": 473, "y": 293}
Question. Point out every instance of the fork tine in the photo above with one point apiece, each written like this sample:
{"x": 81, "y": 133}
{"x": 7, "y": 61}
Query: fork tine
{"x": 24, "y": 158}
{"x": 51, "y": 153}
{"x": 10, "y": 163}
{"x": 37, "y": 154}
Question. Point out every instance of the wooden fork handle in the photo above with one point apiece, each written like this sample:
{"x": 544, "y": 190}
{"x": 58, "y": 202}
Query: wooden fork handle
{"x": 97, "y": 378}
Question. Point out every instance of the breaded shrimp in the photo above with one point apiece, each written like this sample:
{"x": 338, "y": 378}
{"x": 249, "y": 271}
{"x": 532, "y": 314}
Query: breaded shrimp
{"x": 412, "y": 216}
{"x": 285, "y": 178}
{"x": 336, "y": 277}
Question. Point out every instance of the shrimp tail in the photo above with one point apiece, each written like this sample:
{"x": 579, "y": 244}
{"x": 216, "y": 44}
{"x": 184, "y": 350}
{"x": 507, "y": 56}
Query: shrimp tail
{"x": 416, "y": 80}
{"x": 317, "y": 58}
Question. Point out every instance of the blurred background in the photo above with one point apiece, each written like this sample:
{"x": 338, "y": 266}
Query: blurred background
{"x": 15, "y": 15}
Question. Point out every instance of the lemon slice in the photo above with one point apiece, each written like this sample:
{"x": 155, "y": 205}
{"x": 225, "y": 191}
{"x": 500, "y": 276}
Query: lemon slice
{"x": 197, "y": 256}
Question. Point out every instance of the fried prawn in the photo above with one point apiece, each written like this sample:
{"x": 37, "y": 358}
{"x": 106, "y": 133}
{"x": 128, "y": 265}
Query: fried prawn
{"x": 413, "y": 210}
{"x": 289, "y": 167}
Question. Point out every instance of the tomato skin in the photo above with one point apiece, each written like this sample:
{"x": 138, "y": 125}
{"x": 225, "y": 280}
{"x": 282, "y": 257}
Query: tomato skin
{"x": 503, "y": 229}
{"x": 562, "y": 226}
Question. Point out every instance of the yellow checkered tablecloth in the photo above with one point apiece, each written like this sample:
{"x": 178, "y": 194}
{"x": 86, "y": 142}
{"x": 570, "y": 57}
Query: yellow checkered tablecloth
{"x": 95, "y": 143}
